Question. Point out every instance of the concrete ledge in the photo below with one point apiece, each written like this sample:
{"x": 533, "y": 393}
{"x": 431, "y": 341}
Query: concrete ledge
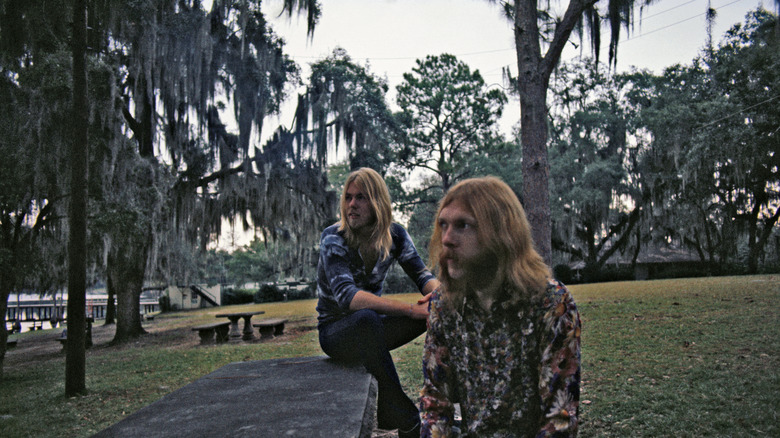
{"x": 294, "y": 397}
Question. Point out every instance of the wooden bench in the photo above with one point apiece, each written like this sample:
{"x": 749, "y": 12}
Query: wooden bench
{"x": 270, "y": 327}
{"x": 207, "y": 332}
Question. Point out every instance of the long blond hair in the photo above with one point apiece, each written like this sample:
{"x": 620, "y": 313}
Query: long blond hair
{"x": 375, "y": 189}
{"x": 505, "y": 233}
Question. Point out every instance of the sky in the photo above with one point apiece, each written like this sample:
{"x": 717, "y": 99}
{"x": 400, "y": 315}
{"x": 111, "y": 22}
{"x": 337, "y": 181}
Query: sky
{"x": 389, "y": 35}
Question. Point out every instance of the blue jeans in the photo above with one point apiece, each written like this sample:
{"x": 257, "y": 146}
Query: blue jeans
{"x": 367, "y": 337}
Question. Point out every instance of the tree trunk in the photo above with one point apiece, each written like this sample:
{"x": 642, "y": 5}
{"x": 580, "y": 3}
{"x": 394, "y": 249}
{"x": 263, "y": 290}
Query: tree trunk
{"x": 532, "y": 82}
{"x": 762, "y": 237}
{"x": 4, "y": 294}
{"x": 536, "y": 169}
{"x": 75, "y": 360}
{"x": 753, "y": 249}
{"x": 128, "y": 253}
{"x": 110, "y": 304}
{"x": 10, "y": 253}
{"x": 126, "y": 270}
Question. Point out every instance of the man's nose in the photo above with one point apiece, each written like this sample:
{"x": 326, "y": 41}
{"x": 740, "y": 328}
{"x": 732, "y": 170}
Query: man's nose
{"x": 448, "y": 237}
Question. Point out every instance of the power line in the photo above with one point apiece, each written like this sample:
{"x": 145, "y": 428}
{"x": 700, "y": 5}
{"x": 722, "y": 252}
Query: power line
{"x": 670, "y": 9}
{"x": 678, "y": 22}
{"x": 740, "y": 112}
{"x": 512, "y": 49}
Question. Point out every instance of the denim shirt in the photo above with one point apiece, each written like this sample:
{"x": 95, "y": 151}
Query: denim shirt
{"x": 341, "y": 271}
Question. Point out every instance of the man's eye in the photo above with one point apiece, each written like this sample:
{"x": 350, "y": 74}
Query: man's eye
{"x": 464, "y": 225}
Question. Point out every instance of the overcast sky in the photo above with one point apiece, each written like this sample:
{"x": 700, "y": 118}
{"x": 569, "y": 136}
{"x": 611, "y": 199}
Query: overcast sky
{"x": 389, "y": 35}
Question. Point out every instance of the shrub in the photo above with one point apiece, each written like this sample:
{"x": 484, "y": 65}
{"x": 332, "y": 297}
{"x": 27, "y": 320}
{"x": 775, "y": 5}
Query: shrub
{"x": 303, "y": 294}
{"x": 397, "y": 282}
{"x": 563, "y": 273}
{"x": 236, "y": 296}
{"x": 268, "y": 293}
{"x": 608, "y": 273}
{"x": 683, "y": 270}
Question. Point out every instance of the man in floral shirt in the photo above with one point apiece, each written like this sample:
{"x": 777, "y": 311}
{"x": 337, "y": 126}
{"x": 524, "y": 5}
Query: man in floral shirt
{"x": 503, "y": 336}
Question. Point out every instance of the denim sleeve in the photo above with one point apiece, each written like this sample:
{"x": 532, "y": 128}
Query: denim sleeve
{"x": 410, "y": 260}
{"x": 335, "y": 263}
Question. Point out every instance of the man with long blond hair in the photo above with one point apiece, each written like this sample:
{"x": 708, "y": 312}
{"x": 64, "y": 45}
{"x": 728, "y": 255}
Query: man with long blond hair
{"x": 355, "y": 322}
{"x": 503, "y": 337}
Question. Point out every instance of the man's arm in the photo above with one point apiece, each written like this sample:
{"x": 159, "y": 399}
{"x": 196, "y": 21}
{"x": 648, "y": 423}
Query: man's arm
{"x": 430, "y": 286}
{"x": 559, "y": 379}
{"x": 367, "y": 300}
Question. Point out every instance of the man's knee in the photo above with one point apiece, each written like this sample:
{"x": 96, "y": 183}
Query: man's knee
{"x": 367, "y": 319}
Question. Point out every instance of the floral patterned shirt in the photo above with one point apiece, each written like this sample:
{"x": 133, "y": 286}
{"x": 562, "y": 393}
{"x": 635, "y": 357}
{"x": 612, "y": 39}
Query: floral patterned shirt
{"x": 514, "y": 370}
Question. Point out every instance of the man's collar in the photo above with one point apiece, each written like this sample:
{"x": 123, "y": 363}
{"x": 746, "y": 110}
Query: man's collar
{"x": 501, "y": 304}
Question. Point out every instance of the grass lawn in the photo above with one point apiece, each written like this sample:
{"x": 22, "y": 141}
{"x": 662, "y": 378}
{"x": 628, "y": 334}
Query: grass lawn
{"x": 682, "y": 358}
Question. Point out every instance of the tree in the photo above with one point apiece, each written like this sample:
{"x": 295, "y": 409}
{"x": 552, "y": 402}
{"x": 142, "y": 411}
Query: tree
{"x": 35, "y": 89}
{"x": 497, "y": 158}
{"x": 532, "y": 28}
{"x": 447, "y": 113}
{"x": 597, "y": 196}
{"x": 346, "y": 102}
{"x": 745, "y": 67}
{"x": 714, "y": 140}
{"x": 158, "y": 72}
{"x": 75, "y": 361}
{"x": 252, "y": 263}
{"x": 682, "y": 206}
{"x": 177, "y": 64}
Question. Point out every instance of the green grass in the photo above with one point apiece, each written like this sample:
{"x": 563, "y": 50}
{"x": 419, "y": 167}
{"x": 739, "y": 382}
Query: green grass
{"x": 683, "y": 358}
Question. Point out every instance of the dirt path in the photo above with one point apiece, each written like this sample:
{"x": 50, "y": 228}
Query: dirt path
{"x": 43, "y": 345}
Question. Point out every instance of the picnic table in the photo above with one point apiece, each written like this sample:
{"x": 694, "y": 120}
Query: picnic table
{"x": 235, "y": 332}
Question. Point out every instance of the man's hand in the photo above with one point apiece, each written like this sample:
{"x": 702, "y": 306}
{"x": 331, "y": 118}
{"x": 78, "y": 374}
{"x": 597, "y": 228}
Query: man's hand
{"x": 419, "y": 310}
